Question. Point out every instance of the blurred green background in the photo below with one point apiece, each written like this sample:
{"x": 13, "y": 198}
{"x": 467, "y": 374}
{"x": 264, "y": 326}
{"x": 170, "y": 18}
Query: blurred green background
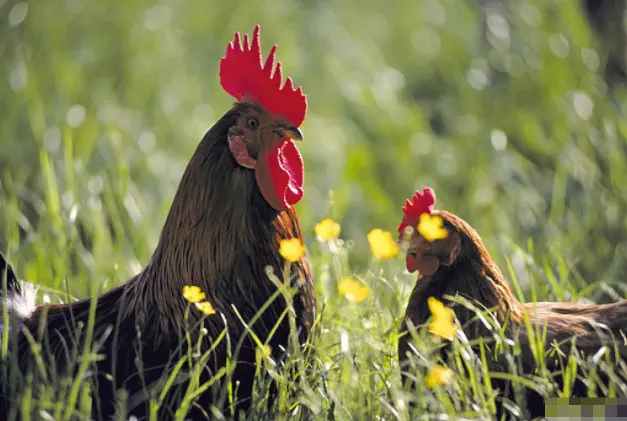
{"x": 505, "y": 108}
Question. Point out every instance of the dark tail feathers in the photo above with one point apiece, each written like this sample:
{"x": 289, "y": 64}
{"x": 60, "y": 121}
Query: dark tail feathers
{"x": 20, "y": 297}
{"x": 13, "y": 286}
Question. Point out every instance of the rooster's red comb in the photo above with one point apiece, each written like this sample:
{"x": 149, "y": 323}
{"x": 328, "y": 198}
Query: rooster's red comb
{"x": 243, "y": 75}
{"x": 420, "y": 203}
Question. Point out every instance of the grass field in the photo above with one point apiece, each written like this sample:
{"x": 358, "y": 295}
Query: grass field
{"x": 511, "y": 123}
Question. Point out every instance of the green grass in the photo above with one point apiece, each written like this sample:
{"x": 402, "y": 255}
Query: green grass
{"x": 102, "y": 104}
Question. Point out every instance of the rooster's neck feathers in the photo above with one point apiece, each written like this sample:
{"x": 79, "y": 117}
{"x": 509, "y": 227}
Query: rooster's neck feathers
{"x": 220, "y": 234}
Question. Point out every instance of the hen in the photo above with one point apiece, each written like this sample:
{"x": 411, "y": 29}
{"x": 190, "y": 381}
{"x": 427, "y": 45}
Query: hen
{"x": 234, "y": 205}
{"x": 460, "y": 266}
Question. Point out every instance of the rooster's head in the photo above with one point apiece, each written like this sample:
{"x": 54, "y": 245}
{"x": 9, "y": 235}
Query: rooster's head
{"x": 262, "y": 138}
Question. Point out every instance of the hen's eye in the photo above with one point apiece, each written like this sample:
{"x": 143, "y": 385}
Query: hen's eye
{"x": 252, "y": 123}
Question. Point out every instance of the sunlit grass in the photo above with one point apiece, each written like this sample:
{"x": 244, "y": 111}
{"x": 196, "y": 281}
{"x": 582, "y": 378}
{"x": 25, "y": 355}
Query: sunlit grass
{"x": 102, "y": 104}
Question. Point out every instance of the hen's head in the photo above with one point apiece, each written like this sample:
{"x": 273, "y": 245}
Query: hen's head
{"x": 423, "y": 255}
{"x": 262, "y": 138}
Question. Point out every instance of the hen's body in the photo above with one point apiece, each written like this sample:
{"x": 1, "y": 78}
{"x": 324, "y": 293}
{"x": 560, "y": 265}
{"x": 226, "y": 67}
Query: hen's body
{"x": 473, "y": 275}
{"x": 220, "y": 234}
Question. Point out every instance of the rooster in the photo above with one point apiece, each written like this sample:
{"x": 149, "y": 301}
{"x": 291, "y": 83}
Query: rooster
{"x": 459, "y": 265}
{"x": 233, "y": 206}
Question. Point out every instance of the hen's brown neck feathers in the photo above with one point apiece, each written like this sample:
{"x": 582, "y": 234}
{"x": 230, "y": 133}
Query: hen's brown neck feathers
{"x": 475, "y": 276}
{"x": 474, "y": 273}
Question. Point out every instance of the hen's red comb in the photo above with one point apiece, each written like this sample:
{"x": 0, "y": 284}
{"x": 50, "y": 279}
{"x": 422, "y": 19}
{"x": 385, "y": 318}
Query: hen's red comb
{"x": 420, "y": 203}
{"x": 243, "y": 76}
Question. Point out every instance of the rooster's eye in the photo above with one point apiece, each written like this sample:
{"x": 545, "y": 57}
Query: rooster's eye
{"x": 252, "y": 123}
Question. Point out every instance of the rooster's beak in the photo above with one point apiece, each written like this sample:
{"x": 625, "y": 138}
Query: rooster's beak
{"x": 293, "y": 133}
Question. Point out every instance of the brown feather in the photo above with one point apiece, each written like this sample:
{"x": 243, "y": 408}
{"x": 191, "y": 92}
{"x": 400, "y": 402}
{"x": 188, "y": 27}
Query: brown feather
{"x": 474, "y": 276}
{"x": 220, "y": 235}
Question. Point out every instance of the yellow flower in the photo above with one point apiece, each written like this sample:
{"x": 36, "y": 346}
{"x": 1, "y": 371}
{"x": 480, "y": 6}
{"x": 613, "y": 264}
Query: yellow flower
{"x": 206, "y": 308}
{"x": 353, "y": 289}
{"x": 442, "y": 323}
{"x": 292, "y": 249}
{"x": 382, "y": 244}
{"x": 193, "y": 294}
{"x": 439, "y": 376}
{"x": 431, "y": 228}
{"x": 327, "y": 229}
{"x": 266, "y": 350}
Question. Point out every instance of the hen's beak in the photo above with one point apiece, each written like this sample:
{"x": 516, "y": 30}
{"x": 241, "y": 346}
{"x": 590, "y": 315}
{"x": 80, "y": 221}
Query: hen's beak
{"x": 293, "y": 133}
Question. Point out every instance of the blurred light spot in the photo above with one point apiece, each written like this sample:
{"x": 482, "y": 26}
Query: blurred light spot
{"x": 498, "y": 34}
{"x": 590, "y": 58}
{"x": 134, "y": 266}
{"x": 385, "y": 85}
{"x": 18, "y": 77}
{"x": 156, "y": 163}
{"x": 94, "y": 203}
{"x": 18, "y": 13}
{"x": 95, "y": 185}
{"x": 74, "y": 6}
{"x": 518, "y": 262}
{"x": 498, "y": 25}
{"x": 109, "y": 114}
{"x": 67, "y": 199}
{"x": 497, "y": 60}
{"x": 483, "y": 195}
{"x": 426, "y": 42}
{"x": 203, "y": 112}
{"x": 420, "y": 144}
{"x": 157, "y": 17}
{"x": 115, "y": 137}
{"x": 477, "y": 79}
{"x": 133, "y": 210}
{"x": 351, "y": 89}
{"x": 432, "y": 12}
{"x": 446, "y": 164}
{"x": 498, "y": 140}
{"x": 52, "y": 139}
{"x": 40, "y": 206}
{"x": 559, "y": 45}
{"x": 75, "y": 116}
{"x": 85, "y": 54}
{"x": 612, "y": 212}
{"x": 176, "y": 169}
{"x": 526, "y": 217}
{"x": 583, "y": 105}
{"x": 382, "y": 96}
{"x": 170, "y": 101}
{"x": 46, "y": 299}
{"x": 392, "y": 78}
{"x": 73, "y": 215}
{"x": 467, "y": 124}
{"x": 609, "y": 127}
{"x": 531, "y": 15}
{"x": 532, "y": 58}
{"x": 147, "y": 142}
{"x": 78, "y": 165}
{"x": 344, "y": 342}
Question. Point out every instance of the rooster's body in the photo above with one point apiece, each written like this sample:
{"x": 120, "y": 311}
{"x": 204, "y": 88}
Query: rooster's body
{"x": 222, "y": 232}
